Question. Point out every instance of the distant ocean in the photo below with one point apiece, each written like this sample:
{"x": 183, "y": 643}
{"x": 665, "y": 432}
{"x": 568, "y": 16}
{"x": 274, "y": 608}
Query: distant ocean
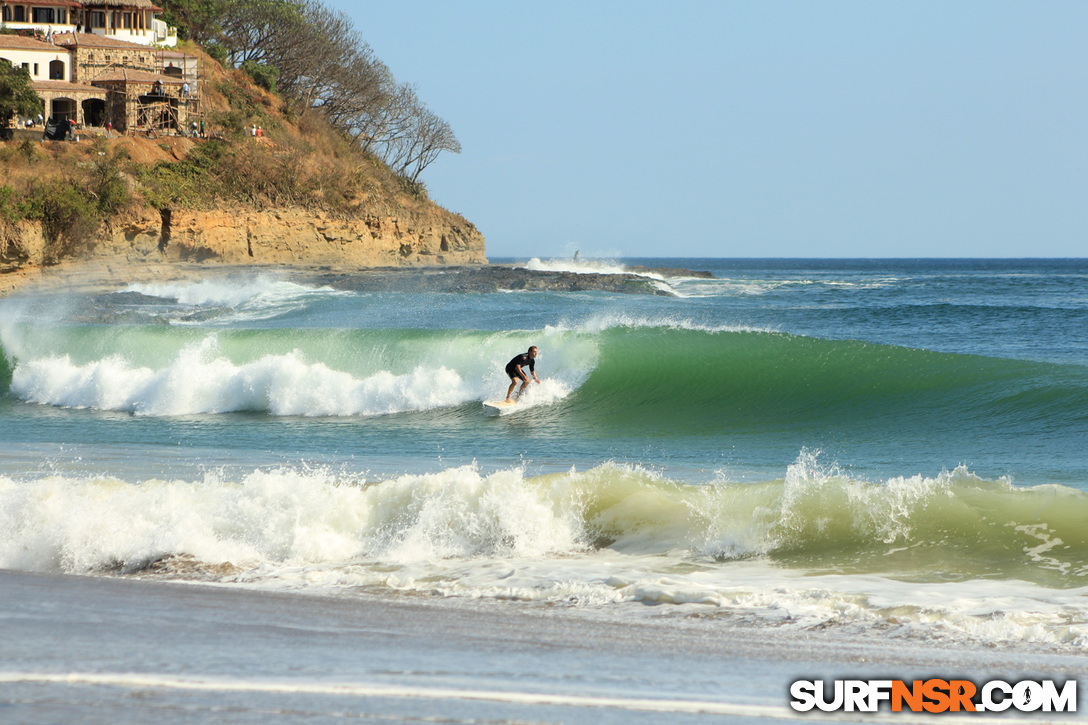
{"x": 892, "y": 446}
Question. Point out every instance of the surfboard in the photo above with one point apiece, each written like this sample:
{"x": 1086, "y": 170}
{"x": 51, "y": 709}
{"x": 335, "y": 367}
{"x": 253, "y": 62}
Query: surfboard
{"x": 499, "y": 407}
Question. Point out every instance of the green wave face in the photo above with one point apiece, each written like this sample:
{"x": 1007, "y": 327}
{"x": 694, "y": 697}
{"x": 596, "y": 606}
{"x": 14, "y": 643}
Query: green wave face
{"x": 661, "y": 381}
{"x": 689, "y": 381}
{"x": 5, "y": 370}
{"x": 954, "y": 527}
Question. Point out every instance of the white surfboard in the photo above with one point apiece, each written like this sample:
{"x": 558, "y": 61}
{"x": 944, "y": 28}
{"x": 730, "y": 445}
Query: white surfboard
{"x": 500, "y": 407}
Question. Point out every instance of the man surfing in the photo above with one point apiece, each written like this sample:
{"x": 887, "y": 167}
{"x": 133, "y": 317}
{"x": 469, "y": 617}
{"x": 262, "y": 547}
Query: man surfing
{"x": 514, "y": 369}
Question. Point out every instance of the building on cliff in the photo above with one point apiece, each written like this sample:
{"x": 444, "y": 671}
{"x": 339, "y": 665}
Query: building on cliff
{"x": 136, "y": 21}
{"x": 94, "y": 79}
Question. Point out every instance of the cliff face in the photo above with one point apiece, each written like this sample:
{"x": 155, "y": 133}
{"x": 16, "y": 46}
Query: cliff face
{"x": 306, "y": 237}
{"x": 280, "y": 236}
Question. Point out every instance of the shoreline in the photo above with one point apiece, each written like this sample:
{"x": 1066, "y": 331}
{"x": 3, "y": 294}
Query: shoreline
{"x": 112, "y": 648}
{"x": 110, "y": 274}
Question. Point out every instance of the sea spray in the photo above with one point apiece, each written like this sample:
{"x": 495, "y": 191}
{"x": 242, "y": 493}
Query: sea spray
{"x": 586, "y": 266}
{"x": 230, "y": 292}
{"x": 198, "y": 380}
{"x": 279, "y": 517}
{"x": 809, "y": 548}
{"x": 957, "y": 524}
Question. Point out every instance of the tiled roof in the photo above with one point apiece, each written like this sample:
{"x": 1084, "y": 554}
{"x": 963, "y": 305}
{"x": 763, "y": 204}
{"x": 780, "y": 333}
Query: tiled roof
{"x": 54, "y": 3}
{"x": 135, "y": 76}
{"x": 19, "y": 42}
{"x": 64, "y": 86}
{"x": 90, "y": 40}
{"x": 140, "y": 4}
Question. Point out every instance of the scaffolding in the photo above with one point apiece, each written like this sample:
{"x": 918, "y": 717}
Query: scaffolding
{"x": 157, "y": 99}
{"x": 153, "y": 104}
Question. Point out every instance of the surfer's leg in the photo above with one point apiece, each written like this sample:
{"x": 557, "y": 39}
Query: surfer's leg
{"x": 513, "y": 384}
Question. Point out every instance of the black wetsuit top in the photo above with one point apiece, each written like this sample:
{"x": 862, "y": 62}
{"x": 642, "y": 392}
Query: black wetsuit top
{"x": 523, "y": 359}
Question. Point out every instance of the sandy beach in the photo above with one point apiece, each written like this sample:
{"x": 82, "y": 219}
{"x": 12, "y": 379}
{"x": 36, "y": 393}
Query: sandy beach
{"x": 107, "y": 650}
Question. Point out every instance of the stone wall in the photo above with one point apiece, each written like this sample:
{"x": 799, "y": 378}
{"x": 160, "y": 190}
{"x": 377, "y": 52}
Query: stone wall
{"x": 89, "y": 61}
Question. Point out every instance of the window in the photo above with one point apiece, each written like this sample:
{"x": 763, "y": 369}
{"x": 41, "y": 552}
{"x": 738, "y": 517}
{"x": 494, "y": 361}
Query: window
{"x": 43, "y": 15}
{"x": 126, "y": 20}
{"x": 98, "y": 19}
{"x": 20, "y": 14}
{"x": 35, "y": 69}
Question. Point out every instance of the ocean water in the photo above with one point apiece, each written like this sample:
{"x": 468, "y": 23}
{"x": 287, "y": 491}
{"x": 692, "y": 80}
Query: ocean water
{"x": 860, "y": 446}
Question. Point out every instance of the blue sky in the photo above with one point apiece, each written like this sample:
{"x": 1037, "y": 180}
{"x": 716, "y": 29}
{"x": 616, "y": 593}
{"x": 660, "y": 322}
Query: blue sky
{"x": 739, "y": 129}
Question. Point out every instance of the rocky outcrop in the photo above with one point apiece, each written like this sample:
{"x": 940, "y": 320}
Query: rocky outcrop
{"x": 302, "y": 237}
{"x": 281, "y": 236}
{"x": 489, "y": 278}
{"x": 106, "y": 274}
{"x": 21, "y": 245}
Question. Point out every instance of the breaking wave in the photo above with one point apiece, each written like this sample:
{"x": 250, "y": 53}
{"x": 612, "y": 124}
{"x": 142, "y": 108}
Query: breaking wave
{"x": 948, "y": 553}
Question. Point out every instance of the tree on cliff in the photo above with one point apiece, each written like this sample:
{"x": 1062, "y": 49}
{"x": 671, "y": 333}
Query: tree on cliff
{"x": 197, "y": 20}
{"x": 17, "y": 94}
{"x": 323, "y": 63}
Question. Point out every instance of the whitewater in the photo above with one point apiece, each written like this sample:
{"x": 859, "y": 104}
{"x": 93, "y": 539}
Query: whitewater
{"x": 860, "y": 447}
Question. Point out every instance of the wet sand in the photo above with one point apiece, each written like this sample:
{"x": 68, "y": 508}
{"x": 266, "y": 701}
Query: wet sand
{"x": 109, "y": 650}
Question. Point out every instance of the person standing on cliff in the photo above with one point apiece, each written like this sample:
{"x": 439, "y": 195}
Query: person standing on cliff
{"x": 514, "y": 369}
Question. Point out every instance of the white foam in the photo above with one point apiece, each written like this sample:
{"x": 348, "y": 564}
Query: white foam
{"x": 277, "y": 518}
{"x": 199, "y": 380}
{"x": 694, "y": 287}
{"x": 585, "y": 266}
{"x": 227, "y": 292}
{"x": 246, "y": 299}
{"x": 617, "y": 320}
{"x": 461, "y": 533}
{"x": 202, "y": 379}
{"x": 599, "y": 266}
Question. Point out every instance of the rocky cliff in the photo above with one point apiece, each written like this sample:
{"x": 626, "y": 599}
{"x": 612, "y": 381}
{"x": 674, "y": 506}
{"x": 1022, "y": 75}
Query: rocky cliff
{"x": 280, "y": 236}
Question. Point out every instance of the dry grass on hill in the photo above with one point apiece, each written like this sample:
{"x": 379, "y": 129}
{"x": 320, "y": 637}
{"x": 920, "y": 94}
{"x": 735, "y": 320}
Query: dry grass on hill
{"x": 74, "y": 189}
{"x": 300, "y": 162}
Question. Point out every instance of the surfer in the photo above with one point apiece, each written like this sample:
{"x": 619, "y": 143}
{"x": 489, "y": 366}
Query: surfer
{"x": 515, "y": 371}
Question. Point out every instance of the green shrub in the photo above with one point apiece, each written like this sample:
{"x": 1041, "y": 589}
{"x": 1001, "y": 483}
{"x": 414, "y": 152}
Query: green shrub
{"x": 263, "y": 75}
{"x": 217, "y": 52}
{"x": 69, "y": 217}
{"x": 12, "y": 207}
{"x": 107, "y": 186}
{"x": 415, "y": 187}
{"x": 241, "y": 98}
{"x": 29, "y": 150}
{"x": 184, "y": 182}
